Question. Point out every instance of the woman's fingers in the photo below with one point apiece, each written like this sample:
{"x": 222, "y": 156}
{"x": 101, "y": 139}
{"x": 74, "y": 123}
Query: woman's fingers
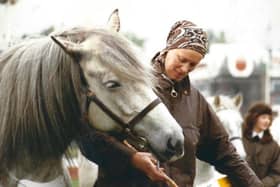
{"x": 153, "y": 159}
{"x": 147, "y": 163}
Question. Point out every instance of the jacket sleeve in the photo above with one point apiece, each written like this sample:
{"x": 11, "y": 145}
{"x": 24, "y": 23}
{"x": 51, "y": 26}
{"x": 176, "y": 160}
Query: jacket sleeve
{"x": 106, "y": 151}
{"x": 273, "y": 177}
{"x": 217, "y": 150}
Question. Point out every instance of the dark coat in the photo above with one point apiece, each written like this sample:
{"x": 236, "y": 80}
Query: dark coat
{"x": 205, "y": 138}
{"x": 113, "y": 159}
{"x": 264, "y": 158}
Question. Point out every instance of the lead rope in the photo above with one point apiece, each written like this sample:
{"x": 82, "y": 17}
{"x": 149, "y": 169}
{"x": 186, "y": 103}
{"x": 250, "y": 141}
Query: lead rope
{"x": 170, "y": 182}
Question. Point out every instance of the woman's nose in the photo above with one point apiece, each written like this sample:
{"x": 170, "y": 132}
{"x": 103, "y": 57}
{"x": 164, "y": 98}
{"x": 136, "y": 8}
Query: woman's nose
{"x": 185, "y": 68}
{"x": 268, "y": 120}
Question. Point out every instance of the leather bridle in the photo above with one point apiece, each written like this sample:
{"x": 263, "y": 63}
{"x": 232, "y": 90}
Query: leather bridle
{"x": 137, "y": 141}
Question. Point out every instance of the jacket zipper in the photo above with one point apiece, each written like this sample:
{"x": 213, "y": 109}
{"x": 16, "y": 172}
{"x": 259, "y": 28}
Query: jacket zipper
{"x": 173, "y": 92}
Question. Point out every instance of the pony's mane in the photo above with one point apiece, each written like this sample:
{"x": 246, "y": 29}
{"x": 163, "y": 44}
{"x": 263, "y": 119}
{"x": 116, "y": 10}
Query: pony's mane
{"x": 40, "y": 102}
{"x": 120, "y": 55}
{"x": 41, "y": 93}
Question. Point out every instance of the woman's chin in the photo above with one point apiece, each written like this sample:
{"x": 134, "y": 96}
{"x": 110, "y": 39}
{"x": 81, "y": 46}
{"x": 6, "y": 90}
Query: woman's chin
{"x": 178, "y": 78}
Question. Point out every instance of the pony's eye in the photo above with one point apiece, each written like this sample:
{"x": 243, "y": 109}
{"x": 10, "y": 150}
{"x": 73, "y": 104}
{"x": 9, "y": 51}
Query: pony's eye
{"x": 112, "y": 84}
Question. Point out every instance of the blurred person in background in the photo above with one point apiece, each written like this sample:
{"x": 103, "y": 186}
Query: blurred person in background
{"x": 263, "y": 153}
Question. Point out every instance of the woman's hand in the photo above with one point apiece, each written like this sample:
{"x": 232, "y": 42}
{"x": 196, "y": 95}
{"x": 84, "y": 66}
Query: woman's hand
{"x": 148, "y": 164}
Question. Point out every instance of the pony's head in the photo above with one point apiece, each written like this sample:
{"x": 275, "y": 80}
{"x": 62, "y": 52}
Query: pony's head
{"x": 44, "y": 85}
{"x": 120, "y": 85}
{"x": 227, "y": 109}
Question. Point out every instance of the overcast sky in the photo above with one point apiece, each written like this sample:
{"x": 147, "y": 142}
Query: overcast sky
{"x": 243, "y": 20}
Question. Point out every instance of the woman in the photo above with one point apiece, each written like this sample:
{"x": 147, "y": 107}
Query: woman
{"x": 205, "y": 137}
{"x": 263, "y": 153}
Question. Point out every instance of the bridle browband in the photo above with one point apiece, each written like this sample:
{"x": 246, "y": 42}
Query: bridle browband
{"x": 137, "y": 141}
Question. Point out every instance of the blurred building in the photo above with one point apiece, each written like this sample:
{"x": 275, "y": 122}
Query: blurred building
{"x": 248, "y": 69}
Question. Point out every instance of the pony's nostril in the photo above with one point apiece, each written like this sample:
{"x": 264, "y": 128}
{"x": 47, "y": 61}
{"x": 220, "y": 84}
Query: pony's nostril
{"x": 176, "y": 148}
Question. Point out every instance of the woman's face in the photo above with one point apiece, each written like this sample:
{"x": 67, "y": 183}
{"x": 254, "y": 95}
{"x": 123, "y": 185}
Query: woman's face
{"x": 262, "y": 123}
{"x": 179, "y": 62}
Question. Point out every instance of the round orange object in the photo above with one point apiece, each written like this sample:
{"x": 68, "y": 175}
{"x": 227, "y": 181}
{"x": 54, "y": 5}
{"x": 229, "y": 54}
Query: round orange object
{"x": 240, "y": 64}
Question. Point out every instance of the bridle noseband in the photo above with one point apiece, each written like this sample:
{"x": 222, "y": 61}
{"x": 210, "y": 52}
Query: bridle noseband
{"x": 137, "y": 141}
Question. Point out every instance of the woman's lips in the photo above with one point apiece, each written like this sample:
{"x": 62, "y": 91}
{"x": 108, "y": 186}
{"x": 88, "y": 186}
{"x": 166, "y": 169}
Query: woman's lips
{"x": 180, "y": 75}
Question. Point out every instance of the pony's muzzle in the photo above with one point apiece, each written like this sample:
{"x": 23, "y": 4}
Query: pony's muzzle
{"x": 176, "y": 148}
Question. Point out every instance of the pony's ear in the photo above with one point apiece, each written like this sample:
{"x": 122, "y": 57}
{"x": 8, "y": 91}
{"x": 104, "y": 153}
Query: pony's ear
{"x": 217, "y": 101}
{"x": 238, "y": 100}
{"x": 114, "y": 21}
{"x": 72, "y": 48}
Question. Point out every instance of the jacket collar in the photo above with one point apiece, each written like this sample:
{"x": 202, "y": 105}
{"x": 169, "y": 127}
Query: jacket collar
{"x": 181, "y": 87}
{"x": 260, "y": 134}
{"x": 266, "y": 137}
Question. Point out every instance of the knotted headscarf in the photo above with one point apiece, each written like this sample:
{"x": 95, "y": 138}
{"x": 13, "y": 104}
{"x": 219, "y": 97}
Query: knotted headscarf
{"x": 185, "y": 34}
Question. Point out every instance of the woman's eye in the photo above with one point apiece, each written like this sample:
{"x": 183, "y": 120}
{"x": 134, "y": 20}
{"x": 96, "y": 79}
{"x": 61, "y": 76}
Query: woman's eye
{"x": 182, "y": 60}
{"x": 112, "y": 84}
